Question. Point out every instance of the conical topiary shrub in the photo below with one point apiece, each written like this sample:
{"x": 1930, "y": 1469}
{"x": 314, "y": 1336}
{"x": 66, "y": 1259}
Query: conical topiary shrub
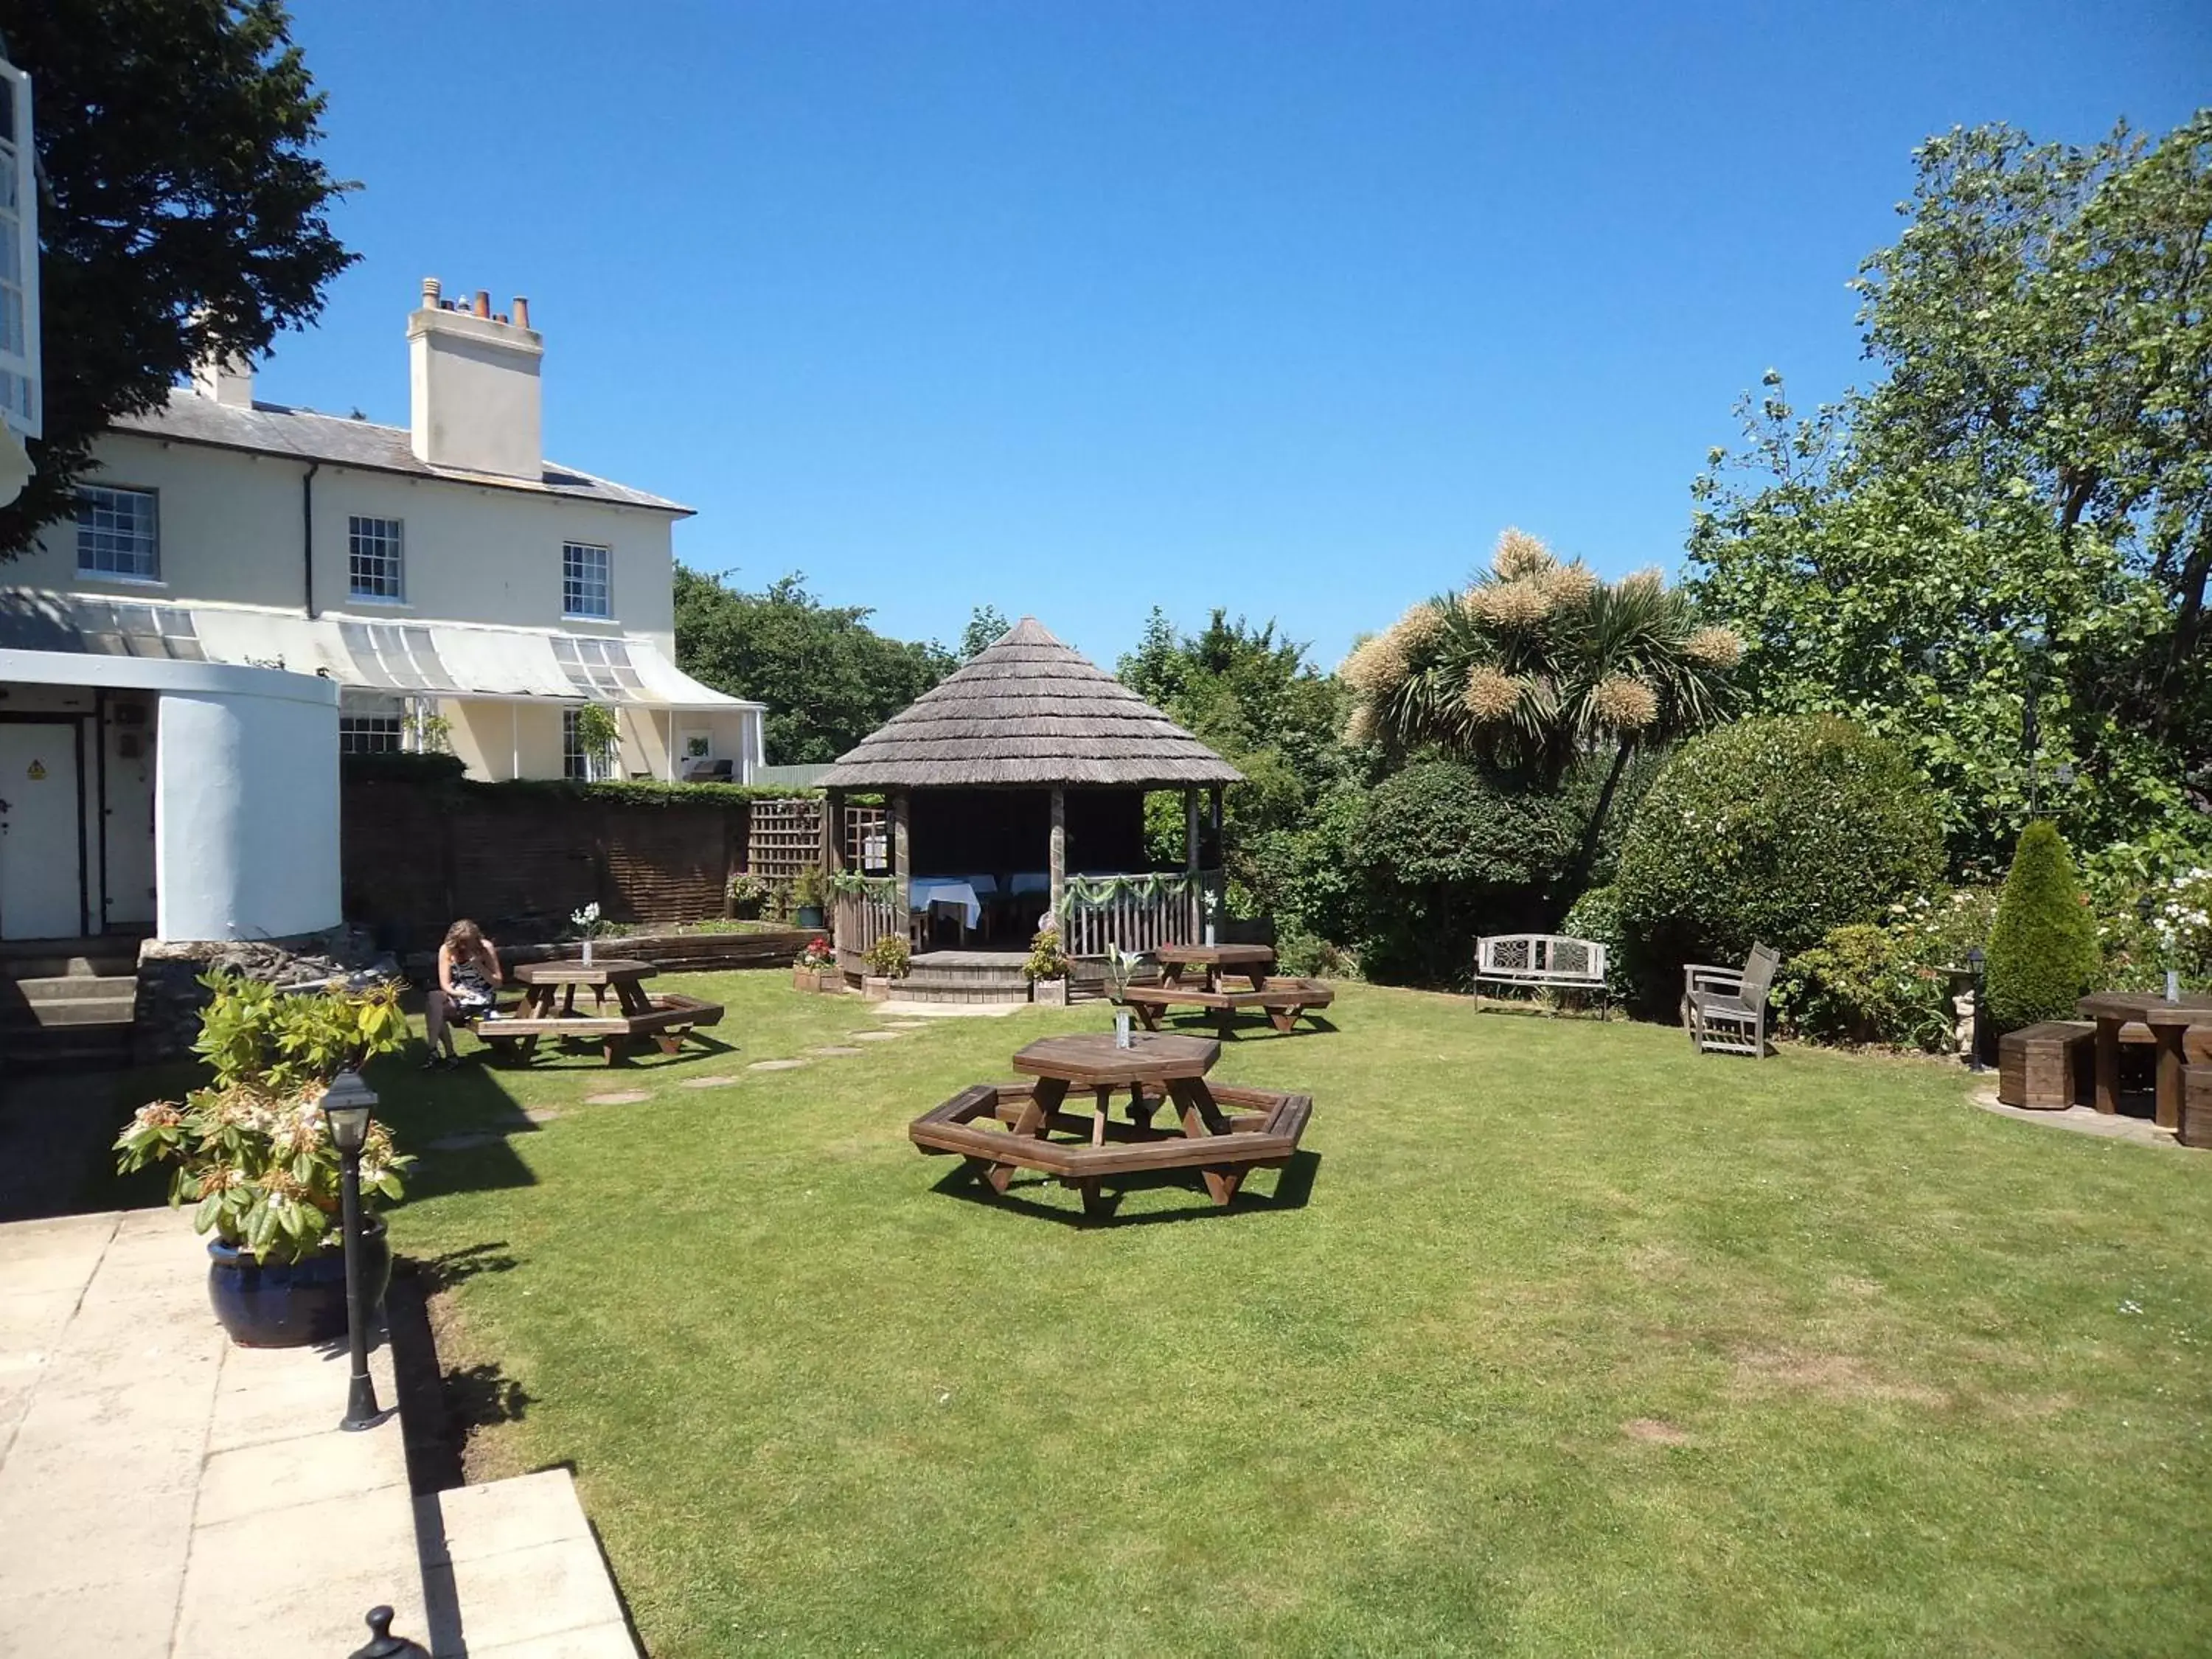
{"x": 2043, "y": 948}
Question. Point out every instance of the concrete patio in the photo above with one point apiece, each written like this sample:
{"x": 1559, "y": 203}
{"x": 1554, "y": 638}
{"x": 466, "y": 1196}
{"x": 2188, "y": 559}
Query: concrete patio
{"x": 166, "y": 1495}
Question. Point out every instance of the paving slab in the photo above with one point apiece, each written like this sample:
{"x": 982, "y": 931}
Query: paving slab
{"x": 775, "y": 1065}
{"x": 2084, "y": 1120}
{"x": 518, "y": 1560}
{"x": 836, "y": 1050}
{"x": 878, "y": 1037}
{"x": 618, "y": 1097}
{"x": 719, "y": 1080}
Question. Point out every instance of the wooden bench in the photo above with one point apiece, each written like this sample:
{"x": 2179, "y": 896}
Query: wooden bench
{"x": 998, "y": 1127}
{"x": 2041, "y": 1066}
{"x": 2046, "y": 1066}
{"x": 669, "y": 1018}
{"x": 1283, "y": 1000}
{"x": 1541, "y": 961}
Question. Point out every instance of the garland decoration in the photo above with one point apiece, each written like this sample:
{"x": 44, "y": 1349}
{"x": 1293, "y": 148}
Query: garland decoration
{"x": 1095, "y": 892}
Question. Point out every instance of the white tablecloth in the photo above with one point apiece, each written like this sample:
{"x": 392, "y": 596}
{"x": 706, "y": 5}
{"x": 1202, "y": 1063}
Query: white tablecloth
{"x": 923, "y": 890}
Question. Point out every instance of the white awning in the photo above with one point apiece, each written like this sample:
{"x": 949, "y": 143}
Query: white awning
{"x": 393, "y": 658}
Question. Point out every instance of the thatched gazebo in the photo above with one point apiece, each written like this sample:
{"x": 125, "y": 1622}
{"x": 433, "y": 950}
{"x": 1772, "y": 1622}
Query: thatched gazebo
{"x": 1021, "y": 779}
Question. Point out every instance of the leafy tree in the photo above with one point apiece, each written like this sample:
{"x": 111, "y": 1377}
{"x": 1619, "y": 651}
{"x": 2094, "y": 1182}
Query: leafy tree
{"x": 829, "y": 679}
{"x": 186, "y": 210}
{"x": 2020, "y": 502}
{"x": 1771, "y": 830}
{"x": 2042, "y": 949}
{"x": 985, "y": 623}
{"x": 1256, "y": 699}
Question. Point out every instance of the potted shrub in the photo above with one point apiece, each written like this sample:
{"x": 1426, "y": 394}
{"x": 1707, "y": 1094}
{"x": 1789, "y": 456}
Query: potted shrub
{"x": 808, "y": 894}
{"x": 1047, "y": 969}
{"x": 815, "y": 969}
{"x": 889, "y": 959}
{"x": 253, "y": 1151}
{"x": 744, "y": 895}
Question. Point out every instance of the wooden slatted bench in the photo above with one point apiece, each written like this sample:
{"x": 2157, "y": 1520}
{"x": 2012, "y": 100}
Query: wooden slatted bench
{"x": 1283, "y": 1000}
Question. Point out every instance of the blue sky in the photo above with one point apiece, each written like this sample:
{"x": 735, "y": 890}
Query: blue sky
{"x": 1080, "y": 309}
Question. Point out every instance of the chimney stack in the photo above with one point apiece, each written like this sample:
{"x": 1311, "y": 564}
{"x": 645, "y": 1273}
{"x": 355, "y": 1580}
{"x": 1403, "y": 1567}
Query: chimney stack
{"x": 225, "y": 380}
{"x": 473, "y": 379}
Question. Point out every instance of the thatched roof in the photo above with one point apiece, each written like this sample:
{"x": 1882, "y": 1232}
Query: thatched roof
{"x": 1029, "y": 711}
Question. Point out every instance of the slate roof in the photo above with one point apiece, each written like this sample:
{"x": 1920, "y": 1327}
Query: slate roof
{"x": 1028, "y": 710}
{"x": 274, "y": 429}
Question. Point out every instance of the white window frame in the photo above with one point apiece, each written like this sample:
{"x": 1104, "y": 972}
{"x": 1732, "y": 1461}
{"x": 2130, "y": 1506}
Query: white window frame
{"x": 388, "y": 732}
{"x": 575, "y": 764}
{"x": 355, "y": 535}
{"x": 150, "y": 577}
{"x": 605, "y": 581}
{"x": 19, "y": 179}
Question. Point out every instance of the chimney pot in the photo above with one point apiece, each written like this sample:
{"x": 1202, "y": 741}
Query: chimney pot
{"x": 483, "y": 302}
{"x": 521, "y": 311}
{"x": 431, "y": 289}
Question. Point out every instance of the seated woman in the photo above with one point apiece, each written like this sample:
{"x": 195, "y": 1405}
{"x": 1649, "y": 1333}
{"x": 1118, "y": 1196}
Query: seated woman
{"x": 468, "y": 978}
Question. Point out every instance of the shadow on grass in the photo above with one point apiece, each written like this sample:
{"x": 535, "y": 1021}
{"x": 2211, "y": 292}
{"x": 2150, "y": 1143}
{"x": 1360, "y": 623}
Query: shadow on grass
{"x": 569, "y": 1053}
{"x": 1244, "y": 1030}
{"x": 1293, "y": 1189}
{"x": 457, "y": 1123}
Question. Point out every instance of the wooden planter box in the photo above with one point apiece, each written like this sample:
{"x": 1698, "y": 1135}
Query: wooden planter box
{"x": 877, "y": 987}
{"x": 806, "y": 980}
{"x": 1048, "y": 993}
{"x": 2042, "y": 1066}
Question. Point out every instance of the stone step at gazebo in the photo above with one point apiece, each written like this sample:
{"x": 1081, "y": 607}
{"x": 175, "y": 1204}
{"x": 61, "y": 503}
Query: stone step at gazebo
{"x": 966, "y": 976}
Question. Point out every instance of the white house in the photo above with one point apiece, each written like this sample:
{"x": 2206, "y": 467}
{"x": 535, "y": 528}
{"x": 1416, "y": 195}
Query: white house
{"x": 439, "y": 583}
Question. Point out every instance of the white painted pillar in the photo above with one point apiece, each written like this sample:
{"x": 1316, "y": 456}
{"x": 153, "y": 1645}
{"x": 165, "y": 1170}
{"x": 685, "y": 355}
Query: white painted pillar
{"x": 245, "y": 815}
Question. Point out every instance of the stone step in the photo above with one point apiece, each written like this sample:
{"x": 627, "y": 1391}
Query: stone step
{"x": 512, "y": 1565}
{"x": 97, "y": 964}
{"x": 68, "y": 1008}
{"x": 72, "y": 988}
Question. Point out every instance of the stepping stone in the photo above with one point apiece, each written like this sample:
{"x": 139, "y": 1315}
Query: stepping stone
{"x": 878, "y": 1037}
{"x": 720, "y": 1081}
{"x": 542, "y": 1115}
{"x": 619, "y": 1097}
{"x": 906, "y": 1025}
{"x": 462, "y": 1143}
{"x": 775, "y": 1065}
{"x": 834, "y": 1049}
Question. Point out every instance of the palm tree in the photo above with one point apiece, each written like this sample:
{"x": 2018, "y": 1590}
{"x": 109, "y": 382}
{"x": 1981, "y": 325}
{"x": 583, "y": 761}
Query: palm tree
{"x": 1538, "y": 665}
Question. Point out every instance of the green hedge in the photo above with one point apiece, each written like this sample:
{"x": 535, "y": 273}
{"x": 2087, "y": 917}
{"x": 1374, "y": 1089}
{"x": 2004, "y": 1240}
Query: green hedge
{"x": 2043, "y": 951}
{"x": 1774, "y": 830}
{"x": 446, "y": 771}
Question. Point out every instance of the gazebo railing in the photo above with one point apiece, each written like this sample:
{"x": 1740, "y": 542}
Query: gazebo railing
{"x": 858, "y": 919}
{"x": 1137, "y": 914}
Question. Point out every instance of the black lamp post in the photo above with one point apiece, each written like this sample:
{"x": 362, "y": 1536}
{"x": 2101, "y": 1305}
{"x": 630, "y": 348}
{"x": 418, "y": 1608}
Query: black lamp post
{"x": 346, "y": 1106}
{"x": 383, "y": 1644}
{"x": 1976, "y": 960}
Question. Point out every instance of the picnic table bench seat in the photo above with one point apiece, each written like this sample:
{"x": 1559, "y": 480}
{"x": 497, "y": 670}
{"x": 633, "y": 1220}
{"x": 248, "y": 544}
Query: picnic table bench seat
{"x": 1260, "y": 1130}
{"x": 1282, "y": 999}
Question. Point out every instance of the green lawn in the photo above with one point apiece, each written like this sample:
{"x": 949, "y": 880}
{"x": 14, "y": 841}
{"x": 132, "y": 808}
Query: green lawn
{"x": 1571, "y": 1343}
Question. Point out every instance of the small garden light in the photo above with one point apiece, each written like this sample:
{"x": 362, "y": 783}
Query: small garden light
{"x": 1976, "y": 960}
{"x": 383, "y": 1644}
{"x": 346, "y": 1106}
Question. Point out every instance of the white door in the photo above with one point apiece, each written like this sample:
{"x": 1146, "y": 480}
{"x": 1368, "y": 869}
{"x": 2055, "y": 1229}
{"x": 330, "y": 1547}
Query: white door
{"x": 41, "y": 834}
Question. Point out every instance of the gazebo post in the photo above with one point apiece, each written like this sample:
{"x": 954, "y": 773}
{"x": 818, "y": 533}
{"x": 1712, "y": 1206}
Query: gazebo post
{"x": 1058, "y": 864}
{"x": 1190, "y": 830}
{"x": 832, "y": 832}
{"x": 901, "y": 873}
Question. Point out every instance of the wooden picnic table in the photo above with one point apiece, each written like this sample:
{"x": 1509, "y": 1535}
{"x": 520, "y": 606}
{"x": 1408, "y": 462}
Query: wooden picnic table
{"x": 2169, "y": 1022}
{"x": 1251, "y": 961}
{"x": 1259, "y": 1129}
{"x": 547, "y": 1009}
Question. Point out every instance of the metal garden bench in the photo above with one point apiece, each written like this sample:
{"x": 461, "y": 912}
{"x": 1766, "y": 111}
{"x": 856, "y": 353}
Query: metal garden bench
{"x": 1541, "y": 961}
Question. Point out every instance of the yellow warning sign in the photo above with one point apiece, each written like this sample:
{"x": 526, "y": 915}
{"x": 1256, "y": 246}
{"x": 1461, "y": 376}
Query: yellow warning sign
{"x": 38, "y": 771}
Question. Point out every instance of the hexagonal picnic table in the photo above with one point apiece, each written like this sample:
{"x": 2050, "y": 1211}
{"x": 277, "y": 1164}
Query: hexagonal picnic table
{"x": 1223, "y": 1133}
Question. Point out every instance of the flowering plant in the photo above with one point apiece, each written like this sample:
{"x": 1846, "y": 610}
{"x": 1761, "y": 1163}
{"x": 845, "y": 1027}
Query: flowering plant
{"x": 253, "y": 1149}
{"x": 891, "y": 956}
{"x": 1120, "y": 968}
{"x": 817, "y": 958}
{"x": 1047, "y": 959}
{"x": 586, "y": 920}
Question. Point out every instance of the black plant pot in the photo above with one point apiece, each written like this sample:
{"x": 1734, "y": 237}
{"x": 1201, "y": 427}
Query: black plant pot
{"x": 292, "y": 1304}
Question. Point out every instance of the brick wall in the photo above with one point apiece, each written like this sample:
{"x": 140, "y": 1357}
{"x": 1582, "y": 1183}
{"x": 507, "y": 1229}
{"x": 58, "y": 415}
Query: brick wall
{"x": 417, "y": 853}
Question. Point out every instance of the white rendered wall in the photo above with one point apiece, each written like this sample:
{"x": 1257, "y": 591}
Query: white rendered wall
{"x": 230, "y": 531}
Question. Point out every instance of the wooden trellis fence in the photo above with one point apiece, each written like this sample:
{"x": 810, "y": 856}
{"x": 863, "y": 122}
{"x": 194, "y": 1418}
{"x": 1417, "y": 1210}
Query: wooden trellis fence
{"x": 783, "y": 838}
